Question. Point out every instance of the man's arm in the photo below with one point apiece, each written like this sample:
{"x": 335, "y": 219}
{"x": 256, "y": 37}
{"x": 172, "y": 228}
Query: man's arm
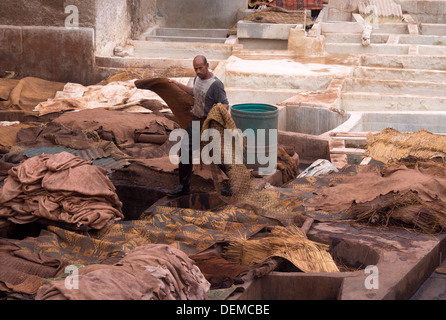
{"x": 218, "y": 95}
{"x": 183, "y": 87}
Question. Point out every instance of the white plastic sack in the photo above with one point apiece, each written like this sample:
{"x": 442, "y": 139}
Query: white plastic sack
{"x": 318, "y": 167}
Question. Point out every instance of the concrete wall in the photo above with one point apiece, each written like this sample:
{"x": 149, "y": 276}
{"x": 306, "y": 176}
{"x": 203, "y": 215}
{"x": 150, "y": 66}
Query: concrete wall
{"x": 308, "y": 147}
{"x": 37, "y": 39}
{"x": 44, "y": 12}
{"x": 424, "y": 11}
{"x": 315, "y": 121}
{"x": 266, "y": 36}
{"x": 51, "y": 53}
{"x": 143, "y": 15}
{"x": 341, "y": 10}
{"x": 112, "y": 25}
{"x": 113, "y": 20}
{"x": 403, "y": 122}
{"x": 204, "y": 14}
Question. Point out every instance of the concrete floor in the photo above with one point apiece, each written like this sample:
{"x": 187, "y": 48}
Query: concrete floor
{"x": 434, "y": 288}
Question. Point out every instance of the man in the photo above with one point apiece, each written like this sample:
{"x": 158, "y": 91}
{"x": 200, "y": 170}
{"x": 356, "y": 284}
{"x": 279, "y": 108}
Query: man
{"x": 207, "y": 91}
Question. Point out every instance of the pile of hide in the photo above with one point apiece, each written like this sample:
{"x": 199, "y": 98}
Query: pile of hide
{"x": 62, "y": 188}
{"x": 26, "y": 93}
{"x": 409, "y": 192}
{"x": 148, "y": 272}
{"x": 117, "y": 95}
{"x": 22, "y": 272}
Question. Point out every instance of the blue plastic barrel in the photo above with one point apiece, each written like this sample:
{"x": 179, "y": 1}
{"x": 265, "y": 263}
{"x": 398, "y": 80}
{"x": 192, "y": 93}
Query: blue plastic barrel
{"x": 258, "y": 116}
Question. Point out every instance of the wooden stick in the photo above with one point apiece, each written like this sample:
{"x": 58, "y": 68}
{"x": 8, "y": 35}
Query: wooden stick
{"x": 356, "y": 151}
{"x": 307, "y": 225}
{"x": 262, "y": 269}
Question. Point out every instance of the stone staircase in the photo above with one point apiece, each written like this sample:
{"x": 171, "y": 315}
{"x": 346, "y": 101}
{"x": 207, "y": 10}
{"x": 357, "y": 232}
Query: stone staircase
{"x": 389, "y": 89}
{"x": 186, "y": 35}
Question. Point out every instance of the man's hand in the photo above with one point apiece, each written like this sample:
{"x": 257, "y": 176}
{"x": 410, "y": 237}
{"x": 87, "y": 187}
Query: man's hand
{"x": 174, "y": 81}
{"x": 183, "y": 87}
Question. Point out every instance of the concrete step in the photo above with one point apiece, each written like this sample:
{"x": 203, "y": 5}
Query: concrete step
{"x": 392, "y": 86}
{"x": 354, "y": 27}
{"x": 432, "y": 121}
{"x": 399, "y": 74}
{"x": 186, "y": 35}
{"x": 278, "y": 81}
{"x": 378, "y": 37}
{"x": 374, "y": 48}
{"x": 185, "y": 39}
{"x": 434, "y": 288}
{"x": 142, "y": 62}
{"x": 432, "y": 40}
{"x": 376, "y": 101}
{"x": 424, "y": 62}
{"x": 355, "y": 38}
{"x": 286, "y": 74}
{"x": 271, "y": 96}
{"x": 186, "y": 50}
{"x": 386, "y": 49}
{"x": 187, "y": 32}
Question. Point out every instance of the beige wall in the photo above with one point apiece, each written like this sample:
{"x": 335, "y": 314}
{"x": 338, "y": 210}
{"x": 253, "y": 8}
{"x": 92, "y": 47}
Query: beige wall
{"x": 200, "y": 13}
{"x": 45, "y": 12}
{"x": 425, "y": 11}
{"x": 143, "y": 13}
{"x": 112, "y": 25}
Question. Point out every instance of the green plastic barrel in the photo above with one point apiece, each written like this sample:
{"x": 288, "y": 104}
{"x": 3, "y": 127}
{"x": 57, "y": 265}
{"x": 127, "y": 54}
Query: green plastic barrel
{"x": 258, "y": 116}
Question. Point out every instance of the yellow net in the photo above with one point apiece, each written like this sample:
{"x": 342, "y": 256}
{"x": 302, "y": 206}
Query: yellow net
{"x": 289, "y": 243}
{"x": 244, "y": 193}
{"x": 390, "y": 145}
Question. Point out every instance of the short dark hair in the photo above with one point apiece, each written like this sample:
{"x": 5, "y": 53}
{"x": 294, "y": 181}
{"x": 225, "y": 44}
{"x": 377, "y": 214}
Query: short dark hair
{"x": 203, "y": 58}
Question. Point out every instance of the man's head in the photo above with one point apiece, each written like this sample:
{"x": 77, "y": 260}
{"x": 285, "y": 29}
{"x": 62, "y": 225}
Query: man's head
{"x": 201, "y": 67}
